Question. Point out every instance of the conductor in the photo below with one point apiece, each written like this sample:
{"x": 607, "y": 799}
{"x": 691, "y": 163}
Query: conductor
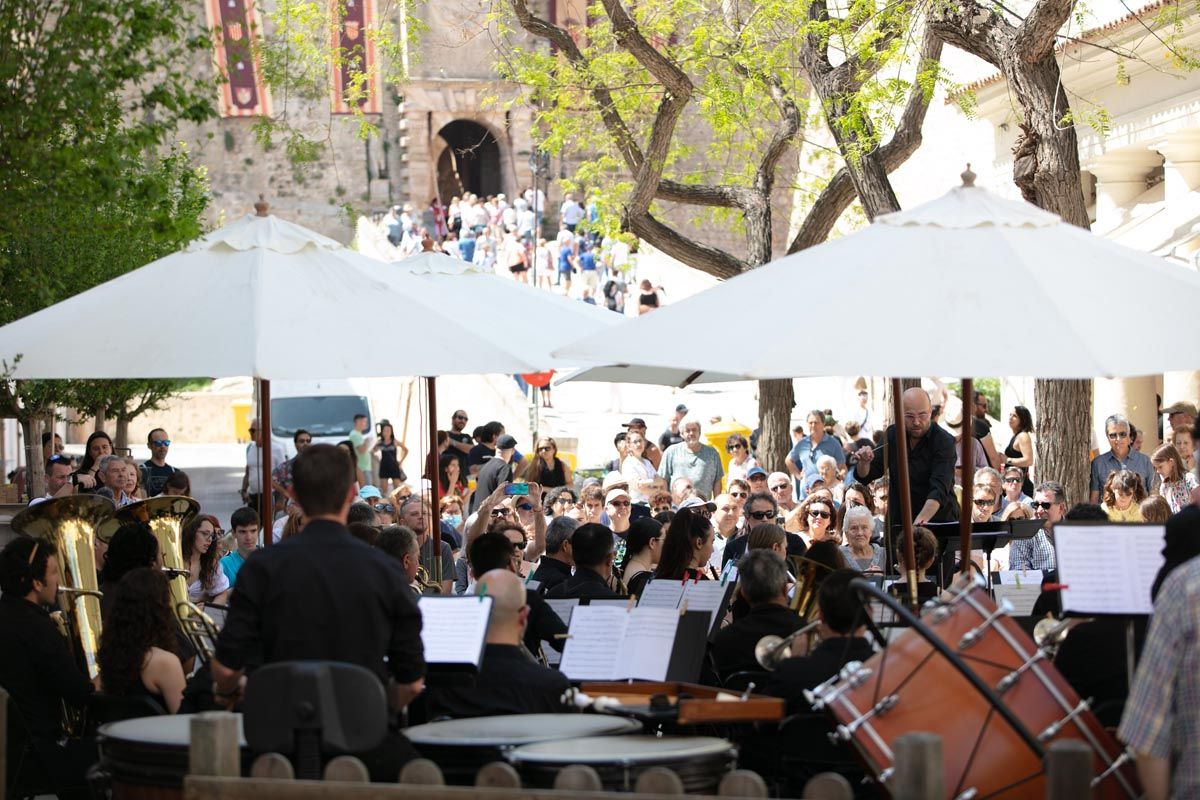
{"x": 324, "y": 595}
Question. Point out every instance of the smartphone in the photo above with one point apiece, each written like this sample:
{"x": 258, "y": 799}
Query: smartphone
{"x": 517, "y": 490}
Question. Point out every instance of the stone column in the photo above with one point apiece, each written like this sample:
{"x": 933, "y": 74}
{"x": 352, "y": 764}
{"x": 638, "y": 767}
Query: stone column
{"x": 1120, "y": 177}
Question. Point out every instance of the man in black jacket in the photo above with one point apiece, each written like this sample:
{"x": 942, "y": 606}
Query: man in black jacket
{"x": 592, "y": 548}
{"x": 502, "y": 550}
{"x": 762, "y": 581}
{"x": 556, "y": 562}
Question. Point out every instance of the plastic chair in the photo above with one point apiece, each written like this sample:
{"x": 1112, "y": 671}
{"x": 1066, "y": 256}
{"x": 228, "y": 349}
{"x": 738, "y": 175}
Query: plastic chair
{"x": 310, "y": 710}
{"x": 104, "y": 708}
{"x": 26, "y": 776}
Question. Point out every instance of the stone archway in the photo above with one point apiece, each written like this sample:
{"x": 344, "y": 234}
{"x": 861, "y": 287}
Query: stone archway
{"x": 470, "y": 161}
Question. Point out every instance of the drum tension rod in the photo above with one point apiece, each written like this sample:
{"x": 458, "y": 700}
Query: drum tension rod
{"x": 845, "y": 732}
{"x": 854, "y": 674}
{"x": 1121, "y": 761}
{"x": 975, "y": 634}
{"x": 1009, "y": 680}
{"x": 1054, "y": 727}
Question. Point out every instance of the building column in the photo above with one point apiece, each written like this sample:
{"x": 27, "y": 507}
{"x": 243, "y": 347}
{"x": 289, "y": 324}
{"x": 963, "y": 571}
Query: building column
{"x": 1120, "y": 177}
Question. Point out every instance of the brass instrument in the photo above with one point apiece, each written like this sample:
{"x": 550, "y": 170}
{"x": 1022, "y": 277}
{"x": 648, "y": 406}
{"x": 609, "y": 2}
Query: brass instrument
{"x": 422, "y": 584}
{"x": 199, "y": 628}
{"x": 772, "y": 649}
{"x": 1049, "y": 633}
{"x": 804, "y": 596}
{"x": 70, "y": 524}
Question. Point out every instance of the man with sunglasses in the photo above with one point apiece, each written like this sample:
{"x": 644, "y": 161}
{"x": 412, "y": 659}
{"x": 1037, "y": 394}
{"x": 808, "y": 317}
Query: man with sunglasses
{"x": 780, "y": 487}
{"x": 1120, "y": 455}
{"x": 460, "y": 441}
{"x": 156, "y": 471}
{"x": 495, "y": 471}
{"x": 1049, "y": 504}
{"x": 761, "y": 509}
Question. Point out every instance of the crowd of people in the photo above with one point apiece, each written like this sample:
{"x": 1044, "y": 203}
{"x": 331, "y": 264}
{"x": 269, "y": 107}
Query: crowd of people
{"x": 506, "y": 236}
{"x": 357, "y": 542}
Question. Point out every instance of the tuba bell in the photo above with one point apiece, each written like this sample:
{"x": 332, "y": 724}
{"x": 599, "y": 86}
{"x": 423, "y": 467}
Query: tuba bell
{"x": 70, "y": 524}
{"x": 772, "y": 649}
{"x": 423, "y": 584}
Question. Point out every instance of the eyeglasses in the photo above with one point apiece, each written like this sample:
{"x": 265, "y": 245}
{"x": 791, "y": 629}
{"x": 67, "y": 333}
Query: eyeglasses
{"x": 1012, "y": 479}
{"x": 780, "y": 488}
{"x": 983, "y": 502}
{"x": 565, "y": 500}
{"x": 500, "y": 512}
{"x": 217, "y": 534}
{"x": 761, "y": 515}
{"x": 526, "y": 506}
{"x": 616, "y": 504}
{"x": 160, "y": 443}
{"x": 1042, "y": 505}
{"x": 545, "y": 449}
{"x": 459, "y": 416}
{"x": 1119, "y": 435}
{"x": 387, "y": 508}
{"x": 819, "y": 514}
{"x": 738, "y": 494}
{"x": 733, "y": 447}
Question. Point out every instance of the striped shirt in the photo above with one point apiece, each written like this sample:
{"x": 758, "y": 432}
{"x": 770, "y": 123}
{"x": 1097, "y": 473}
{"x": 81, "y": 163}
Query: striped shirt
{"x": 1162, "y": 716}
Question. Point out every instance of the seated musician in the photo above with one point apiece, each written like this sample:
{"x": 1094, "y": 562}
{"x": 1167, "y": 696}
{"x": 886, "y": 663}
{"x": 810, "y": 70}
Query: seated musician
{"x": 37, "y": 668}
{"x": 687, "y": 548}
{"x": 504, "y": 550}
{"x": 401, "y": 544}
{"x": 509, "y": 680}
{"x": 592, "y": 546}
{"x": 131, "y": 547}
{"x": 555, "y": 564}
{"x": 763, "y": 583}
{"x": 137, "y": 646}
{"x": 843, "y": 622}
{"x": 925, "y": 548}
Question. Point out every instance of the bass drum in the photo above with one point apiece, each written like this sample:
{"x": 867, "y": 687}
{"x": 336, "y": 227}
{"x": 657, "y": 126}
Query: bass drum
{"x": 461, "y": 746}
{"x": 968, "y": 673}
{"x": 700, "y": 761}
{"x": 146, "y": 758}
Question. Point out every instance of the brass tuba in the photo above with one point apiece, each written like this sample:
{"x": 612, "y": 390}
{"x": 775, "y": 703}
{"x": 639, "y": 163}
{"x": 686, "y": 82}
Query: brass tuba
{"x": 70, "y": 524}
{"x": 423, "y": 584}
{"x": 772, "y": 649}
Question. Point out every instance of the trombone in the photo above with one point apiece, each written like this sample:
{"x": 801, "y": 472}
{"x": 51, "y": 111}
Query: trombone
{"x": 772, "y": 649}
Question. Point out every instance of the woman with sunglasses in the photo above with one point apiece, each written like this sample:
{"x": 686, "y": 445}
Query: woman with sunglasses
{"x": 816, "y": 517}
{"x": 561, "y": 501}
{"x": 207, "y": 583}
{"x": 740, "y": 460}
{"x": 545, "y": 468}
{"x": 686, "y": 548}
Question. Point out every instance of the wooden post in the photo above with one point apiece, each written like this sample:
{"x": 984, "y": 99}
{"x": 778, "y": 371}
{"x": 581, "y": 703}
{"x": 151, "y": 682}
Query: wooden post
{"x": 578, "y": 778}
{"x": 1068, "y": 770}
{"x": 272, "y": 766}
{"x": 268, "y": 492}
{"x": 422, "y": 772}
{"x": 906, "y": 511}
{"x": 828, "y": 786}
{"x": 658, "y": 780}
{"x": 742, "y": 783}
{"x": 214, "y": 748}
{"x": 347, "y": 769}
{"x": 918, "y": 773}
{"x": 967, "y": 455}
{"x": 498, "y": 775}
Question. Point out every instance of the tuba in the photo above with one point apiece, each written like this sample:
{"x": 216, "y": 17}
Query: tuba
{"x": 167, "y": 516}
{"x": 423, "y": 584}
{"x": 772, "y": 649}
{"x": 70, "y": 524}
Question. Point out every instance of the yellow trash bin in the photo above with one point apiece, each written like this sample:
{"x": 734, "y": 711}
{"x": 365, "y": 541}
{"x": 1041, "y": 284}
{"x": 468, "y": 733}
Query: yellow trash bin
{"x": 717, "y": 434}
{"x": 241, "y": 419}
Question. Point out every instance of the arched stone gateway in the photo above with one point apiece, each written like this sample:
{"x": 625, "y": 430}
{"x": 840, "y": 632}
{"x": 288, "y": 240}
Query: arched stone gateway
{"x": 469, "y": 162}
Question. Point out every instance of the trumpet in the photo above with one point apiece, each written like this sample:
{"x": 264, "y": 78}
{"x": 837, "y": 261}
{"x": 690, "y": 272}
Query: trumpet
{"x": 772, "y": 649}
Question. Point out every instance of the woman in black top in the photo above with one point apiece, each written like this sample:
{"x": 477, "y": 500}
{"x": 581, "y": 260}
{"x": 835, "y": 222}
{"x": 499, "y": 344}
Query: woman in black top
{"x": 99, "y": 445}
{"x": 648, "y": 299}
{"x": 136, "y": 654}
{"x": 545, "y": 468}
{"x": 391, "y": 453}
{"x": 643, "y": 544}
{"x": 686, "y": 548}
{"x": 1019, "y": 452}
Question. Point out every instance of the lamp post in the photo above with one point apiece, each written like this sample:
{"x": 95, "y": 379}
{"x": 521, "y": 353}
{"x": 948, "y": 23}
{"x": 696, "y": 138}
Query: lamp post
{"x": 539, "y": 164}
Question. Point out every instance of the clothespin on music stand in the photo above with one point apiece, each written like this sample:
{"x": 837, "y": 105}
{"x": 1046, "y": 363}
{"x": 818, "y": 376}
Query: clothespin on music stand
{"x": 482, "y": 592}
{"x": 683, "y": 608}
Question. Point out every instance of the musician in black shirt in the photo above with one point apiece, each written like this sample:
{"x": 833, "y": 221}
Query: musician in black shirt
{"x": 592, "y": 548}
{"x": 503, "y": 550}
{"x": 509, "y": 680}
{"x": 555, "y": 565}
{"x": 762, "y": 582}
{"x": 36, "y": 665}
{"x": 324, "y": 595}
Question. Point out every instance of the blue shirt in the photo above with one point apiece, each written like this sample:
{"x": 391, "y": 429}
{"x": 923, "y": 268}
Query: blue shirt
{"x": 587, "y": 261}
{"x": 1105, "y": 464}
{"x": 804, "y": 455}
{"x": 467, "y": 248}
{"x": 231, "y": 564}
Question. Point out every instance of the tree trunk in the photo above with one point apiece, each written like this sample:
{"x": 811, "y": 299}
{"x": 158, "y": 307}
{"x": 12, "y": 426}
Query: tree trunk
{"x": 100, "y": 419}
{"x": 121, "y": 439}
{"x": 775, "y": 402}
{"x": 35, "y": 466}
{"x": 905, "y": 384}
{"x": 1064, "y": 417}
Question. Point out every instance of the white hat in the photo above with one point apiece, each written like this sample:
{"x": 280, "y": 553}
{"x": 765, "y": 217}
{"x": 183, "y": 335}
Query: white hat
{"x": 614, "y": 494}
{"x": 698, "y": 502}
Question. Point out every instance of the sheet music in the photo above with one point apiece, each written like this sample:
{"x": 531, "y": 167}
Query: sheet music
{"x": 593, "y": 646}
{"x": 661, "y": 594}
{"x": 1108, "y": 569}
{"x": 453, "y": 628}
{"x": 563, "y": 606}
{"x": 1022, "y": 588}
{"x": 706, "y": 596}
{"x": 622, "y": 602}
{"x": 645, "y": 650}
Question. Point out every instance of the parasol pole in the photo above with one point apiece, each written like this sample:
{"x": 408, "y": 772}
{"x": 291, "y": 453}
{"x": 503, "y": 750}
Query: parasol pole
{"x": 435, "y": 484}
{"x": 967, "y": 450}
{"x": 268, "y": 490}
{"x": 905, "y": 495}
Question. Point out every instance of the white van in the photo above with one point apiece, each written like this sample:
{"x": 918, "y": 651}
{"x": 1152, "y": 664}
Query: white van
{"x": 326, "y": 409}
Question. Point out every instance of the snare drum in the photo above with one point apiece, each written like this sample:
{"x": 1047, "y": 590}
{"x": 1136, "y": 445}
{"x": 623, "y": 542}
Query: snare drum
{"x": 461, "y": 746}
{"x": 700, "y": 761}
{"x": 146, "y": 758}
{"x": 912, "y": 686}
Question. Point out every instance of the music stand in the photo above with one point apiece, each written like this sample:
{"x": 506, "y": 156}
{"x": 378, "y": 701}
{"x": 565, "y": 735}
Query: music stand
{"x": 990, "y": 536}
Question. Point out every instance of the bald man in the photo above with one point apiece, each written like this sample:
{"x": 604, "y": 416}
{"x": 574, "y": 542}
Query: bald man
{"x": 509, "y": 680}
{"x": 930, "y": 464}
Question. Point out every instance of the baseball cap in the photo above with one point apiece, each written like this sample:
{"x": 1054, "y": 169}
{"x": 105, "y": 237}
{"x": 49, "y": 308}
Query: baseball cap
{"x": 614, "y": 479}
{"x": 506, "y": 442}
{"x": 1179, "y": 408}
{"x": 368, "y": 492}
{"x": 697, "y": 502}
{"x": 681, "y": 409}
{"x": 614, "y": 494}
{"x": 812, "y": 480}
{"x": 755, "y": 471}
{"x": 635, "y": 421}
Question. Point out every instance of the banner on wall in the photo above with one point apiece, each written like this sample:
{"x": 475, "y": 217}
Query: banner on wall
{"x": 357, "y": 58}
{"x": 235, "y": 24}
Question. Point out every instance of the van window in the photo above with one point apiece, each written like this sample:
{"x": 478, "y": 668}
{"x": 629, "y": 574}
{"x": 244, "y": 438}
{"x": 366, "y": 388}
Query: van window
{"x": 320, "y": 416}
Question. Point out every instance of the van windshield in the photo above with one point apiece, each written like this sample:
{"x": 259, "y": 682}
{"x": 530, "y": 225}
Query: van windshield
{"x": 320, "y": 416}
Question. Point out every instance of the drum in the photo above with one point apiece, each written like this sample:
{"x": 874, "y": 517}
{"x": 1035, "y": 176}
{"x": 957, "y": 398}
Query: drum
{"x": 967, "y": 672}
{"x": 461, "y": 746}
{"x": 700, "y": 761}
{"x": 146, "y": 758}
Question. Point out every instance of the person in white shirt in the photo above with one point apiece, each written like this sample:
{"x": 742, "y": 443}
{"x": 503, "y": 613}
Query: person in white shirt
{"x": 251, "y": 492}
{"x": 571, "y": 213}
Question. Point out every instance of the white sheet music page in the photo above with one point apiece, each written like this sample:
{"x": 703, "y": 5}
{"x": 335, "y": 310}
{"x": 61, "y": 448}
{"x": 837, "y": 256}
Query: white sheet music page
{"x": 1021, "y": 587}
{"x": 563, "y": 606}
{"x": 647, "y": 645}
{"x": 1108, "y": 569}
{"x": 705, "y": 596}
{"x": 594, "y": 643}
{"x": 453, "y": 628}
{"x": 661, "y": 594}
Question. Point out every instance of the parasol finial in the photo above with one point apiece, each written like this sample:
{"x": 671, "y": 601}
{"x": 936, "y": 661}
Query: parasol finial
{"x": 261, "y": 207}
{"x": 968, "y": 177}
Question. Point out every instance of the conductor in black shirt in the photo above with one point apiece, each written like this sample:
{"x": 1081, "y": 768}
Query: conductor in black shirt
{"x": 36, "y": 665}
{"x": 592, "y": 548}
{"x": 509, "y": 680}
{"x": 763, "y": 582}
{"x": 324, "y": 595}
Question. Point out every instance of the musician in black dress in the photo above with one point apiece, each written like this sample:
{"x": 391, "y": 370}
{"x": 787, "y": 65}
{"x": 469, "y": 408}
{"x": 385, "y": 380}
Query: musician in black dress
{"x": 357, "y": 593}
{"x": 592, "y": 546}
{"x": 687, "y": 548}
{"x": 137, "y": 647}
{"x": 509, "y": 680}
{"x": 37, "y": 668}
{"x": 762, "y": 582}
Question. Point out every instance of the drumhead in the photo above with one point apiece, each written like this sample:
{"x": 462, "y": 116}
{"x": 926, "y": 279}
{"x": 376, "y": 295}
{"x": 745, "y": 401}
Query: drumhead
{"x": 167, "y": 731}
{"x": 621, "y": 750}
{"x": 517, "y": 729}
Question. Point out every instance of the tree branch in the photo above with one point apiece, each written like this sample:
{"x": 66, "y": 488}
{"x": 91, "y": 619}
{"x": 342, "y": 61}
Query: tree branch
{"x": 694, "y": 254}
{"x": 720, "y": 196}
{"x": 1036, "y": 37}
{"x": 972, "y": 29}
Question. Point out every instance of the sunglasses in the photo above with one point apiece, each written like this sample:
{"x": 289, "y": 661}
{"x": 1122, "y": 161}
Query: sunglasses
{"x": 820, "y": 514}
{"x": 564, "y": 500}
{"x": 704, "y": 512}
{"x": 1119, "y": 435}
{"x": 616, "y": 504}
{"x": 761, "y": 515}
{"x": 387, "y": 508}
{"x": 526, "y": 506}
{"x": 254, "y": 430}
{"x": 545, "y": 449}
{"x": 733, "y": 447}
{"x": 160, "y": 443}
{"x": 983, "y": 502}
{"x": 738, "y": 494}
{"x": 780, "y": 488}
{"x": 1012, "y": 479}
{"x": 456, "y": 416}
{"x": 57, "y": 459}
{"x": 499, "y": 512}
{"x": 1043, "y": 506}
